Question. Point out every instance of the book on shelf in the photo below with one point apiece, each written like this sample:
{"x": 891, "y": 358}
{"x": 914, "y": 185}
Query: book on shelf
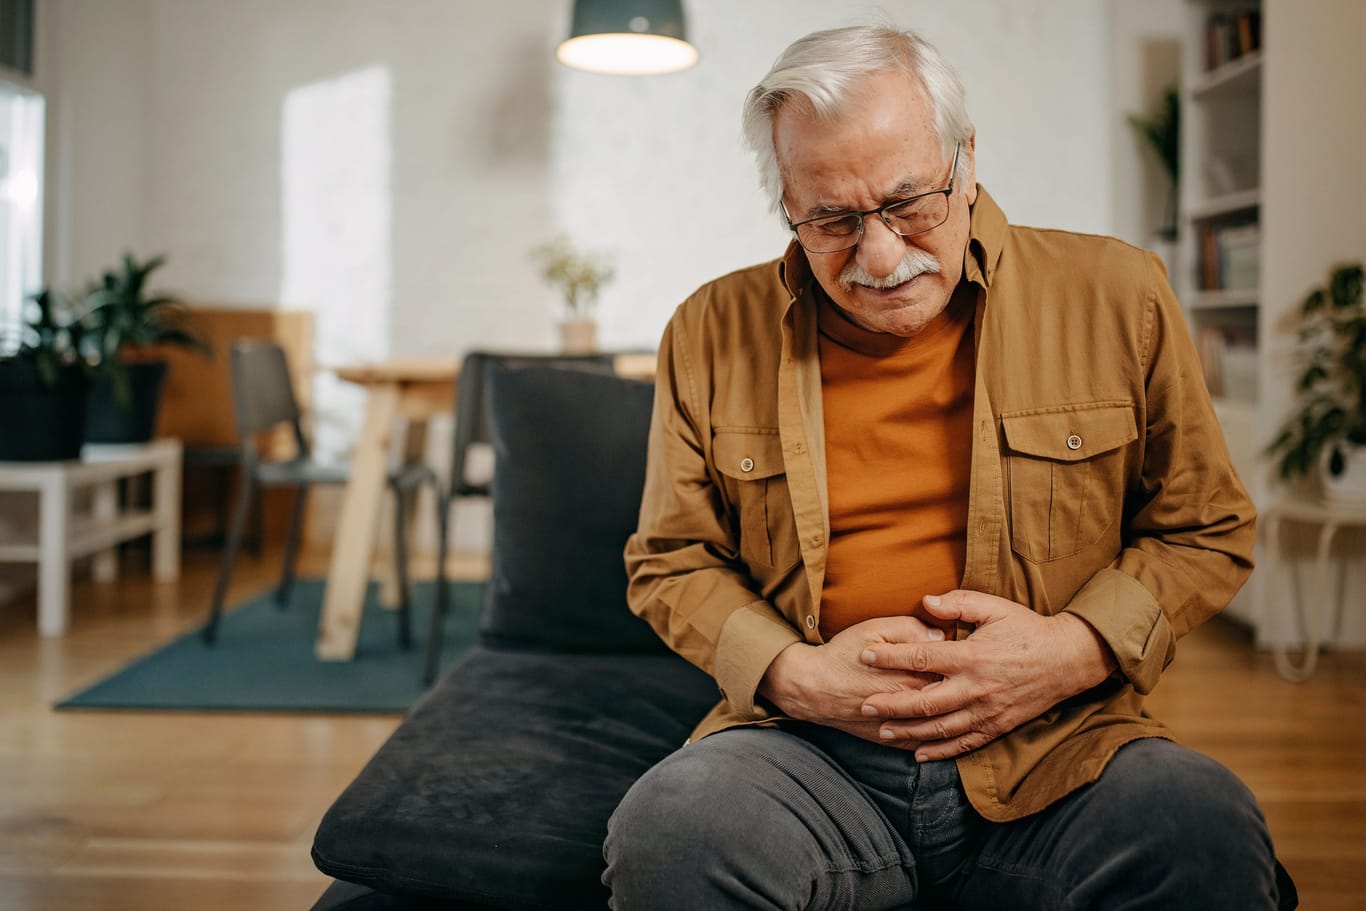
{"x": 1230, "y": 35}
{"x": 1228, "y": 360}
{"x": 1230, "y": 257}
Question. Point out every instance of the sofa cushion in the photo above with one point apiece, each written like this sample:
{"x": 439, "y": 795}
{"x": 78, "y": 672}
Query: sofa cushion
{"x": 498, "y": 786}
{"x": 569, "y": 448}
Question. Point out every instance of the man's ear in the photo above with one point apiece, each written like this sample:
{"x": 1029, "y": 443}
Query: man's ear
{"x": 970, "y": 172}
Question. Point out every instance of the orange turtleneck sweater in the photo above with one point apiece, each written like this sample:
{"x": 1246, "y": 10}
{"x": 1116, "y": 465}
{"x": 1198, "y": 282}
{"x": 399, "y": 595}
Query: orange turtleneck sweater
{"x": 898, "y": 440}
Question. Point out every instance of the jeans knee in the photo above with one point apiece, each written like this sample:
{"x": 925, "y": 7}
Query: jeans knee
{"x": 637, "y": 833}
{"x": 1189, "y": 828}
{"x": 676, "y": 819}
{"x": 701, "y": 830}
{"x": 1179, "y": 794}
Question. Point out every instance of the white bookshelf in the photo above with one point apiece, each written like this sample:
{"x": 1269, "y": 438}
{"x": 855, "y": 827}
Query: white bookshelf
{"x": 1240, "y": 75}
{"x": 1221, "y": 207}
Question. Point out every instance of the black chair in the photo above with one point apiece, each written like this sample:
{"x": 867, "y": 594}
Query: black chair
{"x": 472, "y": 429}
{"x": 263, "y": 399}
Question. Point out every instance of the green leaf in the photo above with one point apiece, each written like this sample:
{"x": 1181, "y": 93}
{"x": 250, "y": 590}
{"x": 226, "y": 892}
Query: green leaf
{"x": 1337, "y": 463}
{"x": 1345, "y": 285}
{"x": 1313, "y": 303}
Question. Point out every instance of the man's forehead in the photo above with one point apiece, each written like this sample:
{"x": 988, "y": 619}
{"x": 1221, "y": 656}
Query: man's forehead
{"x": 882, "y": 145}
{"x": 818, "y": 189}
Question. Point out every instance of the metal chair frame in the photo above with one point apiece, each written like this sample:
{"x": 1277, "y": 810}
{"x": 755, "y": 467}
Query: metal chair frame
{"x": 263, "y": 399}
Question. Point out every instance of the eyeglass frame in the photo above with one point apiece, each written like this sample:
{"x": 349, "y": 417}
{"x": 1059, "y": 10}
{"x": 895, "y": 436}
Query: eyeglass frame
{"x": 880, "y": 212}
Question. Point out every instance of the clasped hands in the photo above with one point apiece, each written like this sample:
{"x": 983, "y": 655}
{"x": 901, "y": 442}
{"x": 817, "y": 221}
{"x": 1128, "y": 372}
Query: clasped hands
{"x": 900, "y": 681}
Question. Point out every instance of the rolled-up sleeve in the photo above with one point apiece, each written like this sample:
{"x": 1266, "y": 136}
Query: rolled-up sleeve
{"x": 1190, "y": 526}
{"x": 686, "y": 578}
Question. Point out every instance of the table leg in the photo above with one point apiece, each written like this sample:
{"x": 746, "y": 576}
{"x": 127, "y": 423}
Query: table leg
{"x": 1313, "y": 635}
{"x": 54, "y": 562}
{"x": 353, "y": 546}
{"x": 166, "y": 508}
{"x": 104, "y": 507}
{"x": 414, "y": 450}
{"x": 1310, "y": 609}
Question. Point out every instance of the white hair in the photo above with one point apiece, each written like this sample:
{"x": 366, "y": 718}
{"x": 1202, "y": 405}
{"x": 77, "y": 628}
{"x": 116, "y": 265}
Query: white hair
{"x": 823, "y": 69}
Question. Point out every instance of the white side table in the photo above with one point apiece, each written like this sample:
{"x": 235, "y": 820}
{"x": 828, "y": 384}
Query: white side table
{"x": 63, "y": 535}
{"x": 1329, "y": 519}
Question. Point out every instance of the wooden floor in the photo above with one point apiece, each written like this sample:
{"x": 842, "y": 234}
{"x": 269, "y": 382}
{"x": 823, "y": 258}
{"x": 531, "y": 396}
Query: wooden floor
{"x": 141, "y": 811}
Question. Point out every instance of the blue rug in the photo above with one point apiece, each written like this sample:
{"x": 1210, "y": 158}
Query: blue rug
{"x": 263, "y": 660}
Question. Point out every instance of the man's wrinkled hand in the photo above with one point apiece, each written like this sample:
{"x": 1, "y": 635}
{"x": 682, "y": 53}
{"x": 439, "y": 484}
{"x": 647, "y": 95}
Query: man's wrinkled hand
{"x": 829, "y": 684}
{"x": 1016, "y": 665}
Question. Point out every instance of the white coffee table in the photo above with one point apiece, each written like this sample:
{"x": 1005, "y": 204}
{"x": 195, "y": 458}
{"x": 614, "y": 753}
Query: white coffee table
{"x": 65, "y": 532}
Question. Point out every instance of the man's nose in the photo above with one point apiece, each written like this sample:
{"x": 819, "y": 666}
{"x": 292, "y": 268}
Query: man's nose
{"x": 880, "y": 249}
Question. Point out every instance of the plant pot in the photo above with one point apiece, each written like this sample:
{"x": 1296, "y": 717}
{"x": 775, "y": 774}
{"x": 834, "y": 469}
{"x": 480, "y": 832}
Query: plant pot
{"x": 579, "y": 336}
{"x": 1349, "y": 488}
{"x": 41, "y": 423}
{"x": 110, "y": 421}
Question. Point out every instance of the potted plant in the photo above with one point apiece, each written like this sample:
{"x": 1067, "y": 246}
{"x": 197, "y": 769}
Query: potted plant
{"x": 44, "y": 381}
{"x": 1160, "y": 132}
{"x": 128, "y": 328}
{"x": 579, "y": 276}
{"x": 1328, "y": 433}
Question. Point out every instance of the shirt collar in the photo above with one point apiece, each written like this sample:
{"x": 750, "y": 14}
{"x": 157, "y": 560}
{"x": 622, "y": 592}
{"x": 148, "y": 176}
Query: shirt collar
{"x": 794, "y": 270}
{"x": 986, "y": 237}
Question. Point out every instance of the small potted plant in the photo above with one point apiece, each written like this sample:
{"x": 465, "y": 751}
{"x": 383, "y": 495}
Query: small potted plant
{"x": 1328, "y": 433}
{"x": 1160, "y": 131}
{"x": 128, "y": 329}
{"x": 44, "y": 383}
{"x": 579, "y": 276}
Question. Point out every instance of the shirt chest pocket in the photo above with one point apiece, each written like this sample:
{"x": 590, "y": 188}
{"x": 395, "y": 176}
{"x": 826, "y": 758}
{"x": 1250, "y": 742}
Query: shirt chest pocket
{"x": 756, "y": 480}
{"x": 1066, "y": 470}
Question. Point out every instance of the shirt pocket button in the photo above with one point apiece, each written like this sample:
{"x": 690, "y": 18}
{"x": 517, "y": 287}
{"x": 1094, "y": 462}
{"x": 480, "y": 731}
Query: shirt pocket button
{"x": 1074, "y": 442}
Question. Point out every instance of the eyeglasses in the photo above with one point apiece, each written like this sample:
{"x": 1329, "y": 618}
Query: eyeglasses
{"x": 906, "y": 217}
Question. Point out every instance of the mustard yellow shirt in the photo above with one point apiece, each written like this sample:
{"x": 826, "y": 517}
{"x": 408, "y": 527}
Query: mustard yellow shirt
{"x": 1099, "y": 484}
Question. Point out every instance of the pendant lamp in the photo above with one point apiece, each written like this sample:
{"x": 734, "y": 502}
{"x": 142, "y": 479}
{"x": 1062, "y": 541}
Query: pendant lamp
{"x": 627, "y": 37}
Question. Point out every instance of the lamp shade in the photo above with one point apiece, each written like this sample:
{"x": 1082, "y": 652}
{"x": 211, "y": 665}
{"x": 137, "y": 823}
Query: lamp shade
{"x": 627, "y": 37}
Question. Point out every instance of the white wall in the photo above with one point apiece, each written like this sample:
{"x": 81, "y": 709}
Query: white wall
{"x": 211, "y": 131}
{"x": 92, "y": 63}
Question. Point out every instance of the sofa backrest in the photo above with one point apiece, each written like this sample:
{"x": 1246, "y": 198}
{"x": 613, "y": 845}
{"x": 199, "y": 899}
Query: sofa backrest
{"x": 569, "y": 450}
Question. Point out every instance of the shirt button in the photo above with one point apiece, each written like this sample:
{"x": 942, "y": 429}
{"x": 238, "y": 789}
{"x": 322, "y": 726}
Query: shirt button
{"x": 810, "y": 621}
{"x": 748, "y": 464}
{"x": 1074, "y": 442}
{"x": 798, "y": 448}
{"x": 816, "y": 540}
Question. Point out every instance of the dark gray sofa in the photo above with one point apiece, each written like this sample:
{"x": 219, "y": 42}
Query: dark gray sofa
{"x": 495, "y": 791}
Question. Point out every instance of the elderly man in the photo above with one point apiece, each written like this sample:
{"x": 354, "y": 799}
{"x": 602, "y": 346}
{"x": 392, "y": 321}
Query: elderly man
{"x": 932, "y": 497}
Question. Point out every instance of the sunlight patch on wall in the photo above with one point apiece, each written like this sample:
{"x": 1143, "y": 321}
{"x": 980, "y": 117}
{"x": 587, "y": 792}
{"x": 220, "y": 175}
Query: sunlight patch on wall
{"x": 335, "y": 228}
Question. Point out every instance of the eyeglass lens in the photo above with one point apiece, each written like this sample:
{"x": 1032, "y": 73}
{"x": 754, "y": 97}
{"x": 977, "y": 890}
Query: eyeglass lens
{"x": 839, "y": 232}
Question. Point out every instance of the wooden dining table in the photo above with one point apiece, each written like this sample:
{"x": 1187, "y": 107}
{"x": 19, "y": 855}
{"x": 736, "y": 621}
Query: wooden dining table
{"x": 402, "y": 396}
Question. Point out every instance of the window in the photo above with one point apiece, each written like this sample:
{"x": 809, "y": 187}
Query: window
{"x": 21, "y": 205}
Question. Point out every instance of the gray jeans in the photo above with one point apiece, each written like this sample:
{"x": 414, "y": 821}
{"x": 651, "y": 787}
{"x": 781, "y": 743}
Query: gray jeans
{"x": 808, "y": 817}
